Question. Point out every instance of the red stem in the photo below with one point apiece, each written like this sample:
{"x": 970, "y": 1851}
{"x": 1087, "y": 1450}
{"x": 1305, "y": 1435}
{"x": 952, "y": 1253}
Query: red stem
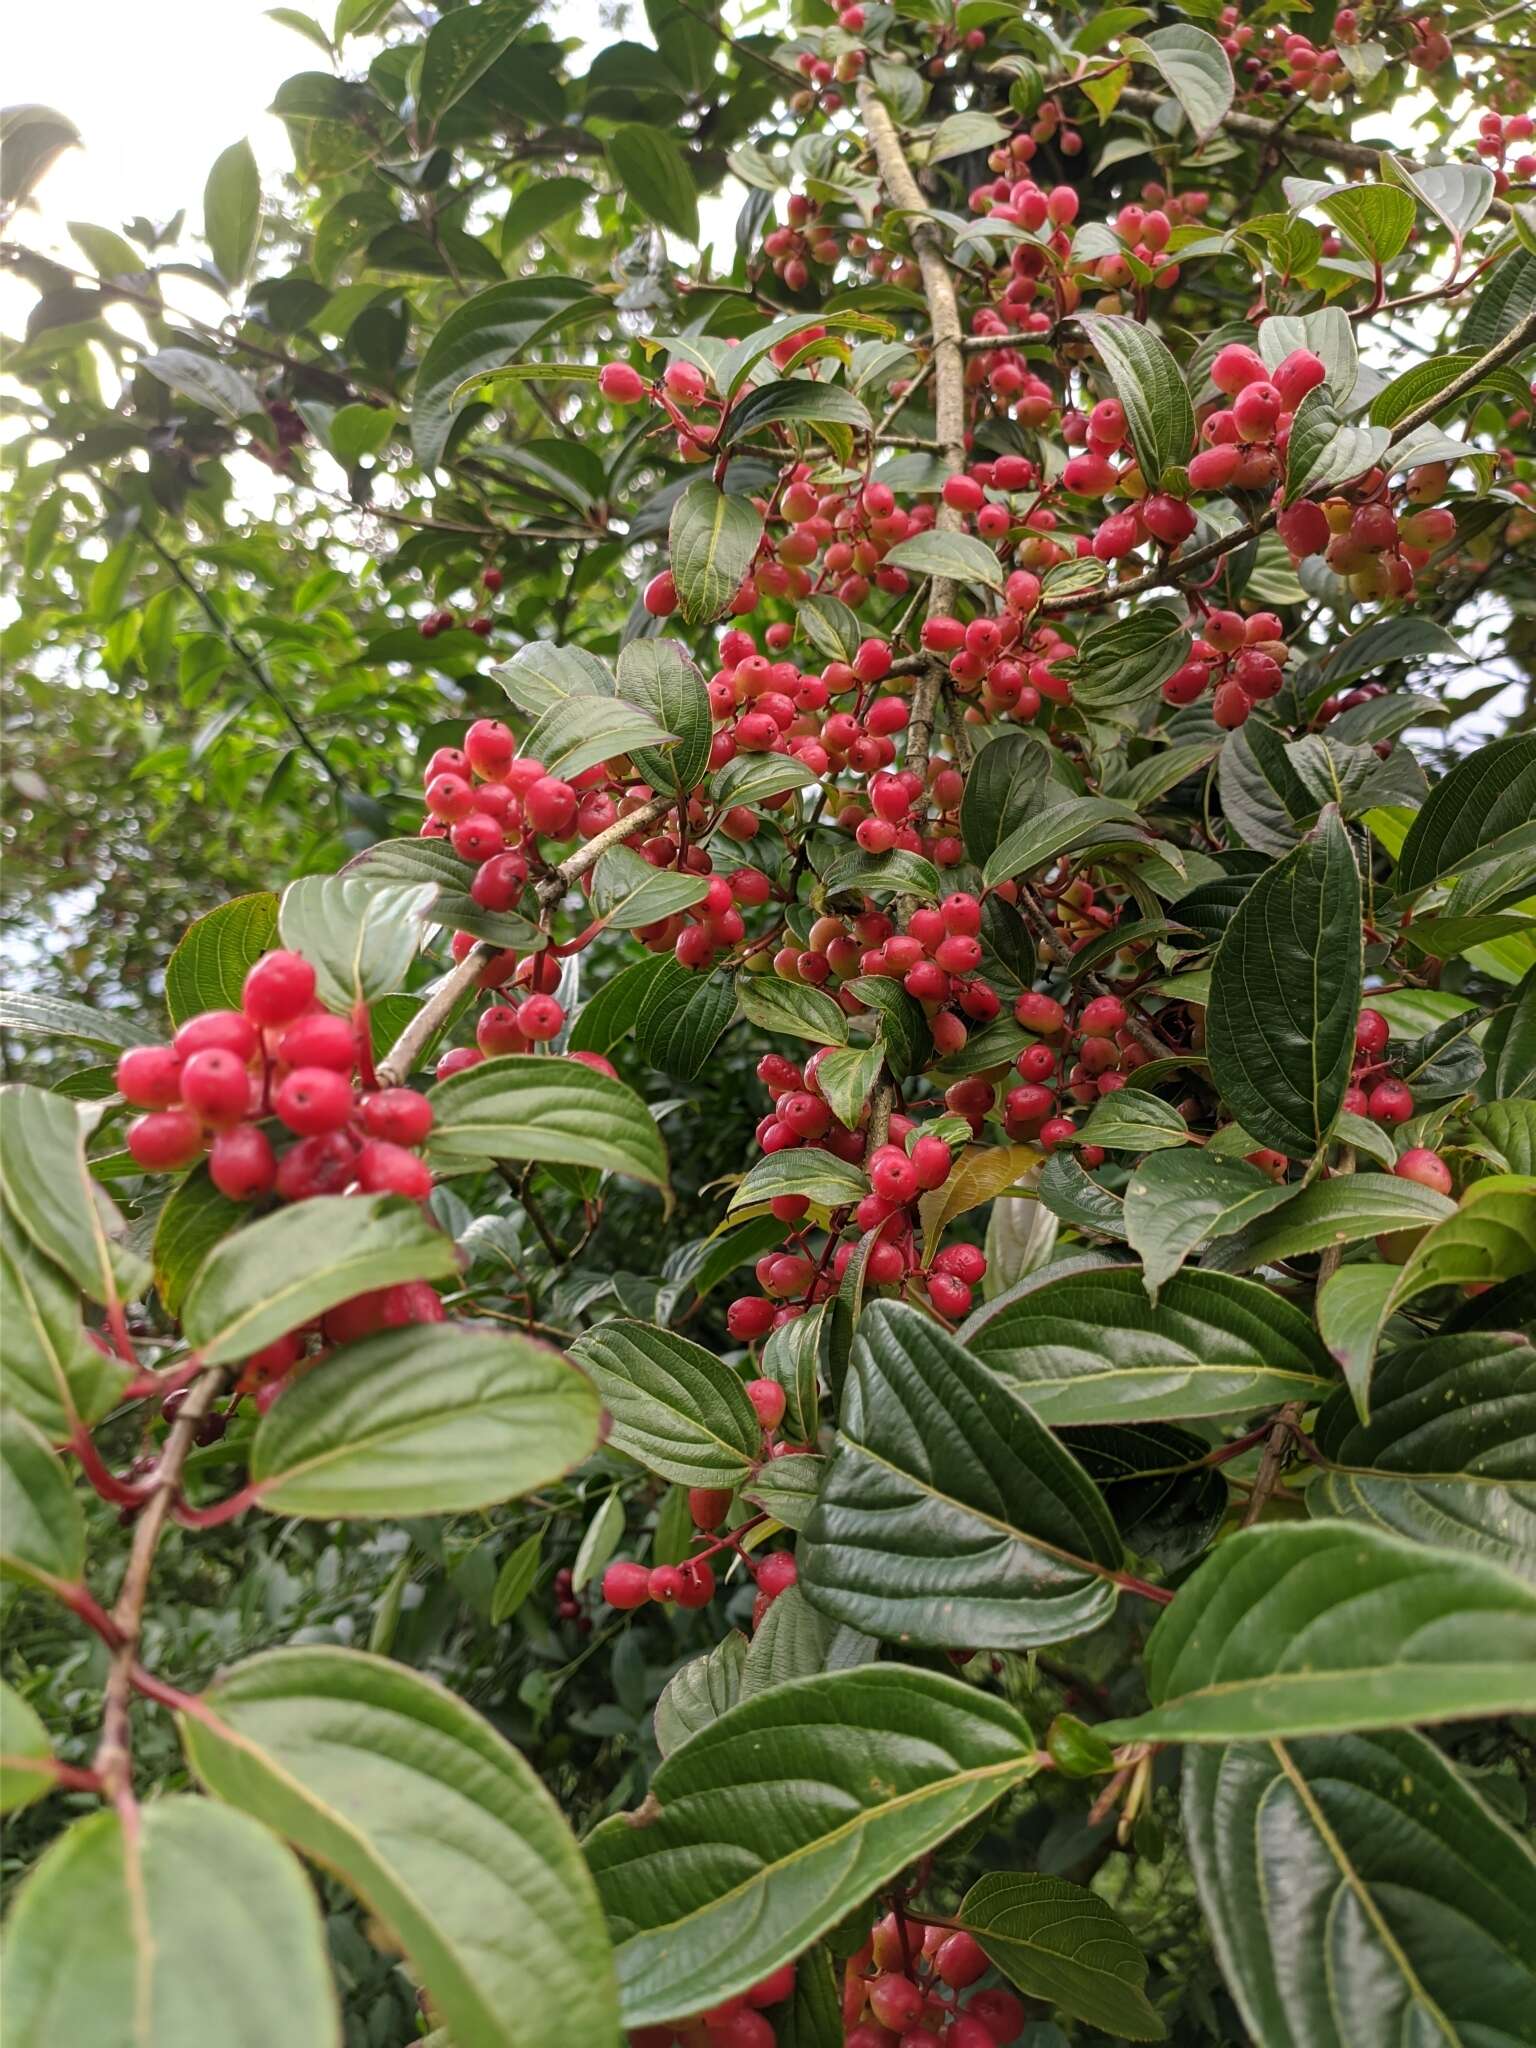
{"x": 106, "y": 1483}
{"x": 222, "y": 1511}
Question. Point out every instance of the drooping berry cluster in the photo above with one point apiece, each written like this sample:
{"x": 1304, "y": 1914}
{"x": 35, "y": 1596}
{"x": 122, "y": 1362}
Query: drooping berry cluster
{"x": 911, "y": 1986}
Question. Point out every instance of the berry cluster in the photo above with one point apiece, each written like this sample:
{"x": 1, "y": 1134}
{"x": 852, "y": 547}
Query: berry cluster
{"x": 1241, "y": 661}
{"x": 1374, "y": 1091}
{"x": 1496, "y": 134}
{"x": 903, "y": 1990}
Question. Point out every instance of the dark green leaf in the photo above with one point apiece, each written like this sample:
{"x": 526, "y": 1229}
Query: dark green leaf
{"x": 1151, "y": 387}
{"x": 711, "y": 542}
{"x": 1177, "y": 1200}
{"x": 681, "y": 1018}
{"x": 658, "y": 677}
{"x": 675, "y": 1407}
{"x": 209, "y": 966}
{"x": 1062, "y": 1944}
{"x": 492, "y": 328}
{"x": 652, "y": 170}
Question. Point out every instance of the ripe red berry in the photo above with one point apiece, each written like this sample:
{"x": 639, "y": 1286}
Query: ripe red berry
{"x": 550, "y": 807}
{"x": 951, "y": 1297}
{"x": 397, "y": 1114}
{"x": 242, "y": 1164}
{"x": 217, "y": 1031}
{"x": 319, "y": 1040}
{"x": 316, "y": 1166}
{"x": 697, "y": 1587}
{"x": 386, "y": 1169}
{"x": 665, "y": 1583}
{"x": 749, "y": 1317}
{"x": 313, "y": 1100}
{"x": 216, "y": 1086}
{"x": 1372, "y": 1031}
{"x": 149, "y": 1076}
{"x": 777, "y": 1572}
{"x": 931, "y": 1161}
{"x": 626, "y": 1585}
{"x": 768, "y": 1401}
{"x": 1420, "y": 1164}
{"x": 280, "y": 987}
{"x": 1390, "y": 1102}
{"x": 1102, "y": 1016}
{"x": 896, "y": 2001}
{"x": 539, "y": 1018}
{"x": 165, "y": 1139}
{"x": 960, "y": 1960}
{"x": 709, "y": 1505}
{"x": 621, "y": 383}
{"x": 1039, "y": 1013}
{"x": 893, "y": 1176}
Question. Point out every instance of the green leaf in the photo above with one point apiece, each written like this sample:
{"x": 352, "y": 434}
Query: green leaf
{"x": 516, "y": 1579}
{"x": 794, "y": 1641}
{"x": 542, "y": 1108}
{"x": 796, "y": 399}
{"x": 1149, "y": 384}
{"x": 1334, "y": 1212}
{"x": 903, "y": 1026}
{"x": 1166, "y": 1501}
{"x": 650, "y": 168}
{"x": 431, "y": 861}
{"x": 675, "y": 1407}
{"x": 232, "y": 211}
{"x": 1195, "y": 69}
{"x": 1131, "y": 1120}
{"x": 802, "y": 1170}
{"x": 43, "y": 1016}
{"x": 705, "y": 1688}
{"x": 494, "y": 327}
{"x": 628, "y": 891}
{"x": 296, "y": 1263}
{"x": 208, "y": 968}
{"x": 787, "y": 1489}
{"x": 845, "y": 1079}
{"x": 1128, "y": 662}
{"x": 205, "y": 380}
{"x": 897, "y": 872}
{"x": 1325, "y": 448}
{"x": 1406, "y": 1908}
{"x": 599, "y": 1541}
{"x": 538, "y": 206}
{"x": 772, "y": 1816}
{"x": 1077, "y": 1198}
{"x": 578, "y": 732}
{"x": 1177, "y": 1200}
{"x": 1261, "y": 793}
{"x": 42, "y": 1529}
{"x": 541, "y": 674}
{"x": 752, "y": 778}
{"x": 360, "y": 936}
{"x": 1483, "y": 807}
{"x": 950, "y": 1516}
{"x": 1005, "y": 779}
{"x": 681, "y": 1018}
{"x": 1377, "y": 219}
{"x": 25, "y": 1754}
{"x": 1315, "y": 1627}
{"x": 48, "y": 1190}
{"x": 50, "y": 1371}
{"x": 1089, "y": 1346}
{"x": 438, "y": 1825}
{"x": 436, "y": 1420}
{"x": 658, "y": 677}
{"x": 1051, "y": 832}
{"x": 1515, "y": 1073}
{"x": 789, "y": 1006}
{"x": 831, "y": 627}
{"x": 712, "y": 541}
{"x": 609, "y": 1015}
{"x": 1447, "y": 1455}
{"x": 1491, "y": 1236}
{"x": 195, "y": 1925}
{"x": 1425, "y": 380}
{"x": 460, "y": 49}
{"x": 961, "y": 134}
{"x": 360, "y": 430}
{"x": 953, "y": 557}
{"x": 1285, "y": 989}
{"x": 1062, "y": 1944}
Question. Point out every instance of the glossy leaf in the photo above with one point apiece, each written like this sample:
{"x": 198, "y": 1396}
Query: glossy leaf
{"x": 1061, "y": 1943}
{"x": 1360, "y": 1893}
{"x": 42, "y": 1528}
{"x": 674, "y": 1406}
{"x": 712, "y": 540}
{"x": 209, "y": 966}
{"x": 1131, "y": 1120}
{"x": 658, "y": 677}
{"x": 578, "y": 732}
{"x": 788, "y": 1006}
{"x": 460, "y": 49}
{"x": 44, "y": 1016}
{"x": 1449, "y": 1455}
{"x": 1327, "y": 448}
{"x": 196, "y": 1925}
{"x": 434, "y": 1420}
{"x": 771, "y": 1816}
{"x": 1487, "y": 801}
{"x": 359, "y": 936}
{"x": 431, "y": 861}
{"x": 1285, "y": 988}
{"x": 295, "y": 1263}
{"x": 1125, "y": 664}
{"x": 1195, "y": 68}
{"x": 1378, "y": 219}
{"x": 950, "y": 1516}
{"x": 1333, "y": 1212}
{"x": 1090, "y": 1347}
{"x": 700, "y": 1692}
{"x": 1317, "y": 1627}
{"x": 1148, "y": 383}
{"x": 538, "y": 1107}
{"x": 489, "y": 330}
{"x": 49, "y": 1369}
{"x": 1175, "y": 1201}
{"x": 953, "y": 557}
{"x": 802, "y": 1170}
{"x": 435, "y": 1822}
{"x": 52, "y": 1198}
{"x": 681, "y": 1017}
{"x": 628, "y": 891}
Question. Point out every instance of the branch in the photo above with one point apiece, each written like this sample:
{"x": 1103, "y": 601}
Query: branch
{"x": 113, "y": 1761}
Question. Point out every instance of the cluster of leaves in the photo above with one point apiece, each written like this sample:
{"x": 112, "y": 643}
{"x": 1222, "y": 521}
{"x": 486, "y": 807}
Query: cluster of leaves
{"x": 1289, "y": 1407}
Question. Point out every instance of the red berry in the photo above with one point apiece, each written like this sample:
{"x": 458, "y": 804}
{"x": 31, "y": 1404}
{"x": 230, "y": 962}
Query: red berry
{"x": 709, "y": 1505}
{"x": 626, "y": 1585}
{"x": 768, "y": 1400}
{"x": 697, "y": 1586}
{"x": 280, "y": 987}
{"x": 242, "y": 1164}
{"x": 550, "y": 807}
{"x": 951, "y": 1297}
{"x": 621, "y": 383}
{"x": 165, "y": 1139}
{"x": 319, "y": 1040}
{"x": 216, "y": 1086}
{"x": 749, "y": 1317}
{"x": 774, "y": 1988}
{"x": 665, "y": 1583}
{"x": 959, "y": 1961}
{"x": 1000, "y": 2013}
{"x": 316, "y": 1166}
{"x": 1419, "y": 1164}
{"x": 398, "y": 1114}
{"x": 314, "y": 1100}
{"x": 539, "y": 1018}
{"x": 777, "y": 1572}
{"x": 1372, "y": 1031}
{"x": 1102, "y": 1016}
{"x": 386, "y": 1169}
{"x": 1390, "y": 1102}
{"x": 149, "y": 1076}
{"x": 217, "y": 1031}
{"x": 930, "y": 1162}
{"x": 896, "y": 2001}
{"x": 1039, "y": 1013}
